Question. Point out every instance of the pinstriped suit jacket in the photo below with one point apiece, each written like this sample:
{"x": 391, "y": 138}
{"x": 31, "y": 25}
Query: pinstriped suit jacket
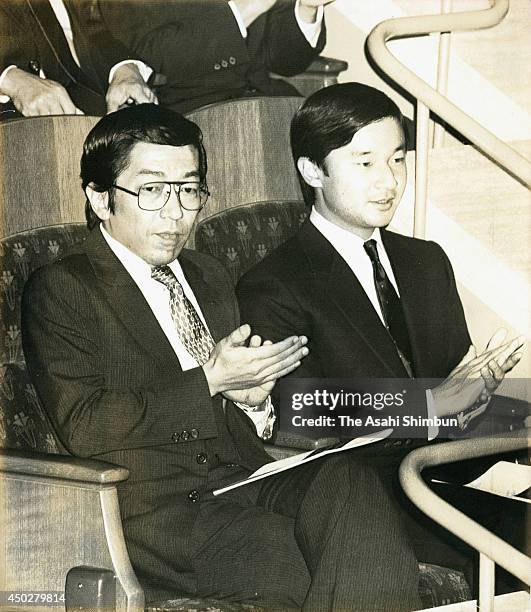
{"x": 114, "y": 389}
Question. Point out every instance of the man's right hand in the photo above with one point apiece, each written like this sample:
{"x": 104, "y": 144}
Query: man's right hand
{"x": 33, "y": 96}
{"x": 252, "y": 9}
{"x": 233, "y": 365}
{"x": 476, "y": 377}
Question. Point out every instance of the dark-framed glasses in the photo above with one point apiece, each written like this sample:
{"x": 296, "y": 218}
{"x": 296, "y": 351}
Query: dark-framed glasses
{"x": 154, "y": 195}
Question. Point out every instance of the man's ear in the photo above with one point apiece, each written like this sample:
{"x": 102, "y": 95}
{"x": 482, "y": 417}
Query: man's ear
{"x": 99, "y": 202}
{"x": 310, "y": 172}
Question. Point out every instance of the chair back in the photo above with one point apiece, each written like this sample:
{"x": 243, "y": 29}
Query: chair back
{"x": 23, "y": 421}
{"x": 240, "y": 237}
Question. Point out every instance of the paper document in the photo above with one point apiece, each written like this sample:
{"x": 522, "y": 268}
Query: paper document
{"x": 505, "y": 479}
{"x": 290, "y": 462}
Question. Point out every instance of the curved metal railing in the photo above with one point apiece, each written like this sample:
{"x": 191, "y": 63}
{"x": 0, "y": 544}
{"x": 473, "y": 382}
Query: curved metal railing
{"x": 501, "y": 153}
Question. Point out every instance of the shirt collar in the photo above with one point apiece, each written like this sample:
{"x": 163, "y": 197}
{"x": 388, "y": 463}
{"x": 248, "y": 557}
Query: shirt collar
{"x": 340, "y": 238}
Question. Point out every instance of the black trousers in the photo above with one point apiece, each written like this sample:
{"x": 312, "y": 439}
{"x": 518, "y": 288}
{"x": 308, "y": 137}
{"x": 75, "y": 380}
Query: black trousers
{"x": 324, "y": 536}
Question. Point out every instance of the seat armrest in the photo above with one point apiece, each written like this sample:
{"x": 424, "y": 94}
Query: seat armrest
{"x": 302, "y": 443}
{"x": 25, "y": 463}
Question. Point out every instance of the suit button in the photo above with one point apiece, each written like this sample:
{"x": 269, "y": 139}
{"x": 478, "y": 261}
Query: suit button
{"x": 232, "y": 60}
{"x": 175, "y": 437}
{"x": 397, "y": 443}
{"x": 201, "y": 458}
{"x": 185, "y": 435}
{"x": 194, "y": 433}
{"x": 224, "y": 63}
{"x": 408, "y": 441}
{"x": 217, "y": 67}
{"x": 193, "y": 496}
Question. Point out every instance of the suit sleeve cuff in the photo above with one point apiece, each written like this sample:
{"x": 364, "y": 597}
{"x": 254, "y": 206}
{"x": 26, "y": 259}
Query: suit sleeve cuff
{"x": 311, "y": 31}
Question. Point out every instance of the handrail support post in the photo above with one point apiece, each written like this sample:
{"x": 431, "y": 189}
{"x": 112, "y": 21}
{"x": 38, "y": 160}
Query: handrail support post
{"x": 487, "y": 571}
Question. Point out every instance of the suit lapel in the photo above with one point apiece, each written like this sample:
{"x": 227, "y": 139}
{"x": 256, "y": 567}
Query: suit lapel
{"x": 127, "y": 301}
{"x": 338, "y": 281}
{"x": 206, "y": 296}
{"x": 51, "y": 29}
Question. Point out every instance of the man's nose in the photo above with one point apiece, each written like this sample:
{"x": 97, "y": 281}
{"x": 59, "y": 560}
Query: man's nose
{"x": 173, "y": 209}
{"x": 386, "y": 177}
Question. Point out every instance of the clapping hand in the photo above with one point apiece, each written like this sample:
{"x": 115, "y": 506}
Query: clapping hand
{"x": 235, "y": 367}
{"x": 471, "y": 383}
{"x": 128, "y": 87}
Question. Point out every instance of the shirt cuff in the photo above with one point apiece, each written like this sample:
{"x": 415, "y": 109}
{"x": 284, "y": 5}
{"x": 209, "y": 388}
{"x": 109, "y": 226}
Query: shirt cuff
{"x": 238, "y": 17}
{"x": 263, "y": 417}
{"x": 3, "y": 98}
{"x": 433, "y": 430}
{"x": 311, "y": 31}
{"x": 144, "y": 69}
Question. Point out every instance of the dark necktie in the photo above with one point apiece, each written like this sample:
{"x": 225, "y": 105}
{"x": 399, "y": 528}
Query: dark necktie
{"x": 193, "y": 334}
{"x": 391, "y": 307}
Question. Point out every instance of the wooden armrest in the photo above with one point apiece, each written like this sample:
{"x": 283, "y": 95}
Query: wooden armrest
{"x": 59, "y": 466}
{"x": 327, "y": 64}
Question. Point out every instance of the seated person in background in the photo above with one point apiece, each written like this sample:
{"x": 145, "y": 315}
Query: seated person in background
{"x": 135, "y": 349}
{"x": 211, "y": 50}
{"x": 66, "y": 42}
{"x": 373, "y": 303}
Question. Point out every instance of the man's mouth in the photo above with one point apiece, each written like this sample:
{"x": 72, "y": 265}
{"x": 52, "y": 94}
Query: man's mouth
{"x": 168, "y": 236}
{"x": 384, "y": 202}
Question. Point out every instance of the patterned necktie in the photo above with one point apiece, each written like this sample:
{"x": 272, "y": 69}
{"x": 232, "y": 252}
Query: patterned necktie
{"x": 193, "y": 334}
{"x": 392, "y": 312}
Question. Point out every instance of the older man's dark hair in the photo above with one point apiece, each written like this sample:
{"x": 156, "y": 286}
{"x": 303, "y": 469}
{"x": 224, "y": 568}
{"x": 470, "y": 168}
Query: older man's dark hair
{"x": 330, "y": 117}
{"x": 109, "y": 144}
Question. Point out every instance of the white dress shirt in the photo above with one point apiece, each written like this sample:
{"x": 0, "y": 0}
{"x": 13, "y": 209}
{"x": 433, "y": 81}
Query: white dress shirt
{"x": 350, "y": 247}
{"x": 157, "y": 296}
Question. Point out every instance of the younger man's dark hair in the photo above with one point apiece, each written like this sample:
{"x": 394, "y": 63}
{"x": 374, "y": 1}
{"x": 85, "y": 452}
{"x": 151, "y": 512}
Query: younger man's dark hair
{"x": 108, "y": 146}
{"x": 330, "y": 117}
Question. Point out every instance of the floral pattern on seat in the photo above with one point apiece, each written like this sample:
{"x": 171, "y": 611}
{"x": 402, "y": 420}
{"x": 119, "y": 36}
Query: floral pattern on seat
{"x": 240, "y": 237}
{"x": 23, "y": 422}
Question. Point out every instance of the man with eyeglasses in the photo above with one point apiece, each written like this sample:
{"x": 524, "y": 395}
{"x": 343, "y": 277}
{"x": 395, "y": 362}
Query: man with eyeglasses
{"x": 135, "y": 349}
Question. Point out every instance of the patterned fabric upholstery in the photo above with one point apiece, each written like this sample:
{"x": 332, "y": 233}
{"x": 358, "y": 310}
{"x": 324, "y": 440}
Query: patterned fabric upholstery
{"x": 23, "y": 422}
{"x": 240, "y": 237}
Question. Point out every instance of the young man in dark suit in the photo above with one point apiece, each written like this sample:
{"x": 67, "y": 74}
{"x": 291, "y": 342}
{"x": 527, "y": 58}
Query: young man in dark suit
{"x": 373, "y": 303}
{"x": 135, "y": 349}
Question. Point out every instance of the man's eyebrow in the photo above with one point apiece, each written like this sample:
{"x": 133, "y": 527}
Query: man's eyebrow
{"x": 147, "y": 171}
{"x": 400, "y": 147}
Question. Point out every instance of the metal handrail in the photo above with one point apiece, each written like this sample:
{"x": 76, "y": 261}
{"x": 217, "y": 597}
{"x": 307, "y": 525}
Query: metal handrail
{"x": 494, "y": 148}
{"x": 449, "y": 517}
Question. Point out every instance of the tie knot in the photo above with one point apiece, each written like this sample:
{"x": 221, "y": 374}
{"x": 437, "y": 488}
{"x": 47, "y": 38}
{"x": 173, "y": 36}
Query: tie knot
{"x": 371, "y": 250}
{"x": 164, "y": 275}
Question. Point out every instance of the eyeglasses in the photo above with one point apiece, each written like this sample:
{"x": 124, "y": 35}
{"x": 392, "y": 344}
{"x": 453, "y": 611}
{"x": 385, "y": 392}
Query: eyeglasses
{"x": 154, "y": 196}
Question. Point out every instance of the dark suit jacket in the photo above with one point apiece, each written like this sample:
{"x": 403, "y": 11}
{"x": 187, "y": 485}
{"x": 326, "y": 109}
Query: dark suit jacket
{"x": 114, "y": 389}
{"x": 198, "y": 46}
{"x": 305, "y": 287}
{"x": 29, "y": 31}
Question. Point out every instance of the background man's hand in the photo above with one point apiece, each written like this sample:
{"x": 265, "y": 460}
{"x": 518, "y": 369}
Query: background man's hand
{"x": 235, "y": 366}
{"x": 33, "y": 96}
{"x": 476, "y": 377}
{"x": 126, "y": 87}
{"x": 308, "y": 9}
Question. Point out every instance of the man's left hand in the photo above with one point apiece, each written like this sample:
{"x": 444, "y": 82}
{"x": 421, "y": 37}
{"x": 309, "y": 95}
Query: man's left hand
{"x": 128, "y": 87}
{"x": 308, "y": 9}
{"x": 255, "y": 395}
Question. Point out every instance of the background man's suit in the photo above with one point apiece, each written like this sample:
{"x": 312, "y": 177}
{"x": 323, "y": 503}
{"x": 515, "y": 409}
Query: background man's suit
{"x": 198, "y": 46}
{"x": 114, "y": 389}
{"x": 30, "y": 32}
